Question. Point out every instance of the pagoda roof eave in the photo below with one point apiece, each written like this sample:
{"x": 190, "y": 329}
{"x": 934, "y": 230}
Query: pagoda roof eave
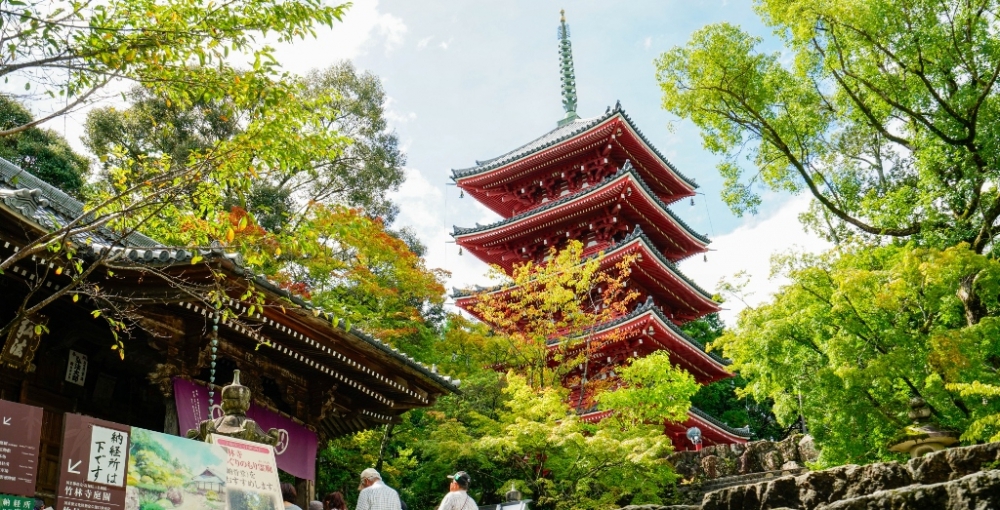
{"x": 696, "y": 417}
{"x": 561, "y": 134}
{"x": 626, "y": 171}
{"x": 649, "y": 308}
{"x": 634, "y": 238}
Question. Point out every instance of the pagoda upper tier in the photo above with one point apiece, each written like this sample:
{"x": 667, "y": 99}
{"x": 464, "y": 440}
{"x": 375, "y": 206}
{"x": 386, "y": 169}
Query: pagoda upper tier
{"x": 652, "y": 275}
{"x": 575, "y": 155}
{"x": 598, "y": 216}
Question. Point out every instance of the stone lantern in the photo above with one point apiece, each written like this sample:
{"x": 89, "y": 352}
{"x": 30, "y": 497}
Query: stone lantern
{"x": 234, "y": 422}
{"x": 922, "y": 437}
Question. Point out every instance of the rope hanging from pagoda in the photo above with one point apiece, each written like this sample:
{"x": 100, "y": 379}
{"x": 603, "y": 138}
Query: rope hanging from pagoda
{"x": 567, "y": 76}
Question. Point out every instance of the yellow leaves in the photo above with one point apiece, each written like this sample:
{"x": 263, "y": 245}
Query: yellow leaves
{"x": 76, "y": 297}
{"x": 230, "y": 235}
{"x": 59, "y": 270}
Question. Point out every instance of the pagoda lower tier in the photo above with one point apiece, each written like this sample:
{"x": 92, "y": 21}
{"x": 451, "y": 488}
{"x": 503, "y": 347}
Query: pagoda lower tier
{"x": 597, "y": 216}
{"x": 644, "y": 331}
{"x": 713, "y": 432}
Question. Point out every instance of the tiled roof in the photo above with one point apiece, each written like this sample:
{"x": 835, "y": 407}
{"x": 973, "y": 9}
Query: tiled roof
{"x": 636, "y": 233}
{"x": 649, "y": 306}
{"x": 627, "y": 168}
{"x": 559, "y": 135}
{"x": 51, "y": 207}
{"x": 743, "y": 432}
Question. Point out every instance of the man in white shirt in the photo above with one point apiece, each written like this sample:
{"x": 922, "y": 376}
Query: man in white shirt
{"x": 458, "y": 498}
{"x": 376, "y": 495}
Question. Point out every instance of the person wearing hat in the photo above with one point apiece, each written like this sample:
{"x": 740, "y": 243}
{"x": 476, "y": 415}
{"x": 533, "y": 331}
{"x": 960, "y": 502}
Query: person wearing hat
{"x": 376, "y": 495}
{"x": 458, "y": 497}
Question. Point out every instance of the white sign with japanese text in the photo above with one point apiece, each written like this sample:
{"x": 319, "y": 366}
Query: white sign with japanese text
{"x": 107, "y": 456}
{"x": 76, "y": 369}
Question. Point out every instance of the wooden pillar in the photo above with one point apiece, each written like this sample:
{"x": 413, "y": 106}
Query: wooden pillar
{"x": 306, "y": 490}
{"x": 170, "y": 424}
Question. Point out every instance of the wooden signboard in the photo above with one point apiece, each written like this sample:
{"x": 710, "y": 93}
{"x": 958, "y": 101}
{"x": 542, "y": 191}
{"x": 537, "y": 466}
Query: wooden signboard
{"x": 20, "y": 431}
{"x": 93, "y": 464}
{"x": 21, "y": 344}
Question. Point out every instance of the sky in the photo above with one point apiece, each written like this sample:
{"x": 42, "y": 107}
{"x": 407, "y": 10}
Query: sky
{"x": 472, "y": 80}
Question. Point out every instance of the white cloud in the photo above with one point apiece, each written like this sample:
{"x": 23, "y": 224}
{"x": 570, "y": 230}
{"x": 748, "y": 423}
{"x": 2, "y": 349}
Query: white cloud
{"x": 647, "y": 43}
{"x": 394, "y": 116}
{"x": 444, "y": 44}
{"x": 364, "y": 25}
{"x": 423, "y": 206}
{"x": 749, "y": 248}
{"x": 421, "y": 44}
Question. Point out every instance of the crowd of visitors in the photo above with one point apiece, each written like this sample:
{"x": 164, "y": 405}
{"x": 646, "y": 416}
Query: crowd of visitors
{"x": 376, "y": 495}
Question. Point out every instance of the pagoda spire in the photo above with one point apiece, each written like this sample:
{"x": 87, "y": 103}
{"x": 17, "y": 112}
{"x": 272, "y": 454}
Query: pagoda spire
{"x": 566, "y": 74}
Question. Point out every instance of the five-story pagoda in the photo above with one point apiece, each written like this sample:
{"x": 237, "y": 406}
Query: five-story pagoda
{"x": 599, "y": 181}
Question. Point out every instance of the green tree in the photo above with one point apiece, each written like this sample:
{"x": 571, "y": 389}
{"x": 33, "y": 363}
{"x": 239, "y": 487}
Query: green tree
{"x": 41, "y": 152}
{"x": 74, "y": 48}
{"x": 545, "y": 311}
{"x": 886, "y": 112}
{"x": 854, "y": 335}
{"x": 347, "y": 102}
{"x": 180, "y": 49}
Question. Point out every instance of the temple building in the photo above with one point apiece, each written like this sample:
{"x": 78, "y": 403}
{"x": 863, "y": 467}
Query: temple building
{"x": 600, "y": 181}
{"x": 310, "y": 376}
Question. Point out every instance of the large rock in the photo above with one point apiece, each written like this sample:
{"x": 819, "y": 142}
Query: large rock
{"x": 807, "y": 449}
{"x": 978, "y": 491}
{"x": 953, "y": 463}
{"x": 820, "y": 489}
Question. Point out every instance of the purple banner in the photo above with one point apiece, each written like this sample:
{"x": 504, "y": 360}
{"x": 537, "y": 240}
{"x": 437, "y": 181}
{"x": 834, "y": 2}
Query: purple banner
{"x": 296, "y": 450}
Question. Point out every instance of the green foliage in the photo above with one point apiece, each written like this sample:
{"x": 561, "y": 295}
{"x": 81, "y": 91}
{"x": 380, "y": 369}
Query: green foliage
{"x": 182, "y": 50}
{"x": 720, "y": 399}
{"x": 502, "y": 431}
{"x": 885, "y": 111}
{"x": 854, "y": 335}
{"x": 41, "y": 152}
{"x": 654, "y": 391}
{"x": 152, "y": 467}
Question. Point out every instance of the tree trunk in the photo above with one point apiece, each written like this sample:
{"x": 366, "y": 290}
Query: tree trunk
{"x": 974, "y": 309}
{"x": 385, "y": 445}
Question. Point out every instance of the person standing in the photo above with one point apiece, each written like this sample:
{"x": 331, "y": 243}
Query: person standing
{"x": 458, "y": 497}
{"x": 334, "y": 501}
{"x": 289, "y": 495}
{"x": 375, "y": 494}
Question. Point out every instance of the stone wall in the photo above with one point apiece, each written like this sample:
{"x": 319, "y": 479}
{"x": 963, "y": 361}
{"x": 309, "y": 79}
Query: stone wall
{"x": 956, "y": 479}
{"x": 742, "y": 459}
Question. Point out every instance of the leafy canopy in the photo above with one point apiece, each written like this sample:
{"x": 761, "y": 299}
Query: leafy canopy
{"x": 886, "y": 112}
{"x": 546, "y": 311}
{"x": 852, "y": 337}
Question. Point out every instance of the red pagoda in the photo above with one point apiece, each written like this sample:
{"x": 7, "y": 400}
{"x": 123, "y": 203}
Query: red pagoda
{"x": 601, "y": 182}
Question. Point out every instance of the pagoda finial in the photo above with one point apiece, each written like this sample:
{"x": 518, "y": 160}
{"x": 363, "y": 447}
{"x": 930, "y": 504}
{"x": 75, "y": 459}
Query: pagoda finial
{"x": 567, "y": 76}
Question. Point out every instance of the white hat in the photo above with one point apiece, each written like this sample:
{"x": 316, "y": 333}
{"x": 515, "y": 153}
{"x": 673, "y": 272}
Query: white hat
{"x": 368, "y": 474}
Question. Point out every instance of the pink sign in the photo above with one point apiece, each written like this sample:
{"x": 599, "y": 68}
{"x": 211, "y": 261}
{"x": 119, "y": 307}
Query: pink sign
{"x": 295, "y": 451}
